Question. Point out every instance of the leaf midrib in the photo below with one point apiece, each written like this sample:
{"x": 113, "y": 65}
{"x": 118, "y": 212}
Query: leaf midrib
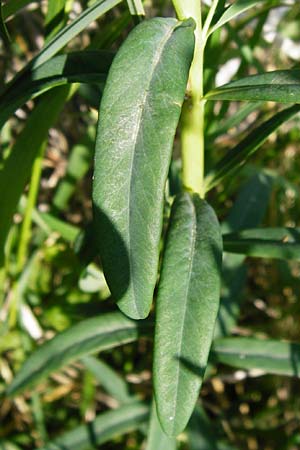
{"x": 141, "y": 110}
{"x": 191, "y": 263}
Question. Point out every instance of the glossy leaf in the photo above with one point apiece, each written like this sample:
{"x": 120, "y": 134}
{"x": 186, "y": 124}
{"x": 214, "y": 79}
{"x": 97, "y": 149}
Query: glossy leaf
{"x": 270, "y": 356}
{"x": 277, "y": 86}
{"x": 282, "y": 243}
{"x": 77, "y": 67}
{"x": 187, "y": 306}
{"x": 139, "y": 113}
{"x": 239, "y": 154}
{"x": 17, "y": 166}
{"x": 157, "y": 439}
{"x": 237, "y": 8}
{"x": 104, "y": 428}
{"x": 88, "y": 336}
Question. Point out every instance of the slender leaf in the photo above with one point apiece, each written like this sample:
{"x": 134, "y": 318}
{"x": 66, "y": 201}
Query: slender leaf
{"x": 88, "y": 336}
{"x": 248, "y": 211}
{"x": 187, "y": 306}
{"x": 56, "y": 18}
{"x": 13, "y": 6}
{"x": 105, "y": 427}
{"x": 110, "y": 380}
{"x": 77, "y": 67}
{"x": 3, "y": 29}
{"x": 140, "y": 110}
{"x": 66, "y": 230}
{"x": 277, "y": 86}
{"x": 239, "y": 154}
{"x": 234, "y": 10}
{"x": 136, "y": 7}
{"x": 17, "y": 167}
{"x": 157, "y": 439}
{"x": 271, "y": 356}
{"x": 281, "y": 243}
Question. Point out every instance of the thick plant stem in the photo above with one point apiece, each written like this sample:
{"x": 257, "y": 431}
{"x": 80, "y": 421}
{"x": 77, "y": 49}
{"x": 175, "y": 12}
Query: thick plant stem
{"x": 193, "y": 114}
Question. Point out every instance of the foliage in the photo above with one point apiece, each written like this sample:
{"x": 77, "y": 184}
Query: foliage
{"x": 113, "y": 271}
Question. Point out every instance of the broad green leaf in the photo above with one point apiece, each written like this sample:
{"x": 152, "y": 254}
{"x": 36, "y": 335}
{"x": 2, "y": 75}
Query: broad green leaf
{"x": 104, "y": 428}
{"x": 270, "y": 356}
{"x": 139, "y": 113}
{"x": 109, "y": 379}
{"x": 3, "y": 29}
{"x": 156, "y": 438}
{"x": 281, "y": 243}
{"x": 239, "y": 154}
{"x": 78, "y": 67}
{"x": 278, "y": 86}
{"x": 89, "y": 336}
{"x": 17, "y": 166}
{"x": 248, "y": 211}
{"x": 187, "y": 306}
{"x": 237, "y": 8}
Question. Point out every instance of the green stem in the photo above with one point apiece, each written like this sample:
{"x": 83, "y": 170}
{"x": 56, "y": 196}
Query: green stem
{"x": 31, "y": 200}
{"x": 193, "y": 114}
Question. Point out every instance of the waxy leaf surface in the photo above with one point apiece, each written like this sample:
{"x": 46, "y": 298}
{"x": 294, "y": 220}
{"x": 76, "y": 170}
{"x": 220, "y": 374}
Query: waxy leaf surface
{"x": 139, "y": 113}
{"x": 187, "y": 306}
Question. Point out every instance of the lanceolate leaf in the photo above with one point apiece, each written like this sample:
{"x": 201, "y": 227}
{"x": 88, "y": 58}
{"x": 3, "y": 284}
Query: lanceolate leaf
{"x": 278, "y": 86}
{"x": 282, "y": 243}
{"x": 157, "y": 439}
{"x": 17, "y": 166}
{"x": 77, "y": 67}
{"x": 239, "y": 154}
{"x": 139, "y": 113}
{"x": 271, "y": 356}
{"x": 91, "y": 335}
{"x": 105, "y": 427}
{"x": 238, "y": 7}
{"x": 187, "y": 306}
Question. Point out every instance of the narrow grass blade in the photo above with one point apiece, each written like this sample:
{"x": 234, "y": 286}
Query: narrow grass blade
{"x": 239, "y": 154}
{"x": 77, "y": 67}
{"x": 187, "y": 306}
{"x": 17, "y": 167}
{"x": 156, "y": 438}
{"x": 234, "y": 10}
{"x": 248, "y": 210}
{"x": 270, "y": 356}
{"x": 88, "y": 336}
{"x": 281, "y": 243}
{"x": 139, "y": 113}
{"x": 3, "y": 29}
{"x": 109, "y": 379}
{"x": 104, "y": 428}
{"x": 278, "y": 86}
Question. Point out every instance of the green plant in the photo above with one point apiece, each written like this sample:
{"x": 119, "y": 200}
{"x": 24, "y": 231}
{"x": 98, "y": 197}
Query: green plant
{"x": 156, "y": 234}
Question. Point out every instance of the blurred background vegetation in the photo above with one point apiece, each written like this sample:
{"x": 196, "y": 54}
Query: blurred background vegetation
{"x": 52, "y": 280}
